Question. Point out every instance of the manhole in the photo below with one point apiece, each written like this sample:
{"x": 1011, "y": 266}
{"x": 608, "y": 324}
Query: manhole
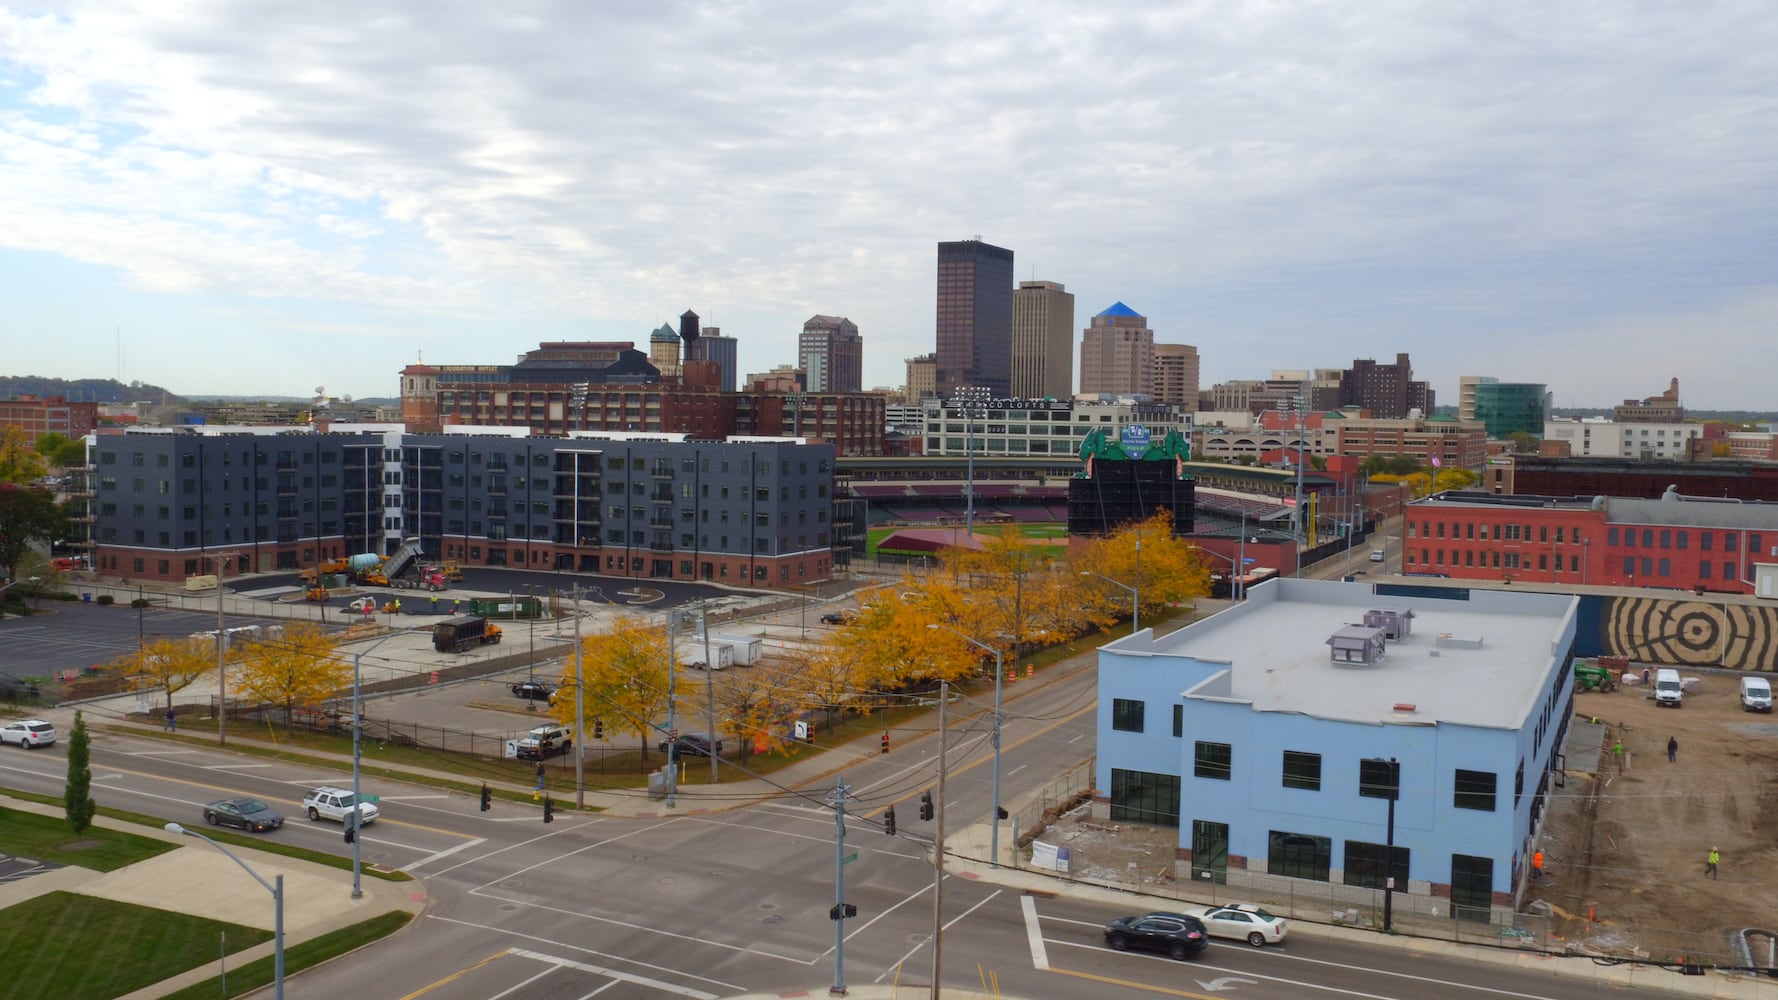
{"x": 768, "y": 906}
{"x": 773, "y": 919}
{"x": 513, "y": 883}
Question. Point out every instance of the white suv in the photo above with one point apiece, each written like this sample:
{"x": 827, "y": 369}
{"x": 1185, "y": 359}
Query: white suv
{"x": 28, "y": 734}
{"x": 336, "y": 804}
{"x": 545, "y": 741}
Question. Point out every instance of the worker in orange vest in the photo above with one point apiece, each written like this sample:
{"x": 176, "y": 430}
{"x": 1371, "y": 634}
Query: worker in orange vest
{"x": 1537, "y": 865}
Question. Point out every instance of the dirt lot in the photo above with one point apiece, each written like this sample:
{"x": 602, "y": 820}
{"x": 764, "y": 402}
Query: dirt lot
{"x": 1631, "y": 845}
{"x": 1627, "y": 846}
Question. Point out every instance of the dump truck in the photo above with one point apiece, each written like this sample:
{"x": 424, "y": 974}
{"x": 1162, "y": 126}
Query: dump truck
{"x": 397, "y": 566}
{"x": 326, "y": 567}
{"x": 455, "y": 635}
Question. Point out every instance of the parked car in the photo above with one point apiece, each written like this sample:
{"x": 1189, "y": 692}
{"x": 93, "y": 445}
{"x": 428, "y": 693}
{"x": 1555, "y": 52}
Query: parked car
{"x": 336, "y": 804}
{"x": 545, "y": 741}
{"x": 1243, "y": 922}
{"x": 1378, "y": 555}
{"x": 251, "y": 815}
{"x": 844, "y": 617}
{"x": 1174, "y": 934}
{"x": 533, "y": 690}
{"x": 693, "y": 745}
{"x": 29, "y": 733}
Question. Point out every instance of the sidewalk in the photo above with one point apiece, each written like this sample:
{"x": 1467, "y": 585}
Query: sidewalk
{"x": 199, "y": 879}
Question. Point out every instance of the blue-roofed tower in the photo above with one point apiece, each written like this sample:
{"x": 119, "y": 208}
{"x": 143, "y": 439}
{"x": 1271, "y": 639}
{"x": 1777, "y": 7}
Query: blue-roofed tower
{"x": 1117, "y": 353}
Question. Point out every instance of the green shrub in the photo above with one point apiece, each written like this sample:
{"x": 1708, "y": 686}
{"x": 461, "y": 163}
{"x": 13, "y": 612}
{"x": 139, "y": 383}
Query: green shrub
{"x": 140, "y": 602}
{"x": 107, "y": 599}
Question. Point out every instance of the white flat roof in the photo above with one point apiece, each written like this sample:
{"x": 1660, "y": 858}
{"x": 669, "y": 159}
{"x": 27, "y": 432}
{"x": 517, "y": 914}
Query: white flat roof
{"x": 1276, "y": 647}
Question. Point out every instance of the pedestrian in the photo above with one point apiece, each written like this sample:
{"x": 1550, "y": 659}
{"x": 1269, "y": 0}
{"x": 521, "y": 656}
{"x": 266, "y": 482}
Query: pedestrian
{"x": 1710, "y": 863}
{"x": 1672, "y": 749}
{"x": 1537, "y": 865}
{"x": 172, "y": 720}
{"x": 1645, "y": 677}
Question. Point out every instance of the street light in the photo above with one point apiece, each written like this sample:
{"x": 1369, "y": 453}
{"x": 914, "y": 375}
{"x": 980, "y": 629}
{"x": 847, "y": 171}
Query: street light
{"x": 994, "y": 817}
{"x": 1135, "y": 598}
{"x": 277, "y": 892}
{"x": 1389, "y": 839}
{"x": 357, "y": 826}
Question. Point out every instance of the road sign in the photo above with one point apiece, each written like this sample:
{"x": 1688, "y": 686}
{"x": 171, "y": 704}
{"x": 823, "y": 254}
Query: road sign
{"x": 848, "y": 859}
{"x": 673, "y": 734}
{"x": 373, "y": 798}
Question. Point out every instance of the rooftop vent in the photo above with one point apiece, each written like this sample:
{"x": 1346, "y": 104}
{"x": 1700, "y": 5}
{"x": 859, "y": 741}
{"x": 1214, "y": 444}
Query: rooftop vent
{"x": 1358, "y": 645}
{"x": 1406, "y": 707}
{"x": 1451, "y": 640}
{"x": 1395, "y": 623}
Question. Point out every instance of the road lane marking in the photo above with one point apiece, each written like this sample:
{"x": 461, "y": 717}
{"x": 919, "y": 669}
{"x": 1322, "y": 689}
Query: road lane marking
{"x": 528, "y": 842}
{"x": 896, "y": 966}
{"x": 1040, "y": 958}
{"x": 748, "y": 949}
{"x": 436, "y": 855}
{"x": 1148, "y": 987}
{"x": 684, "y": 991}
{"x": 728, "y": 989}
{"x": 514, "y": 988}
{"x": 453, "y": 977}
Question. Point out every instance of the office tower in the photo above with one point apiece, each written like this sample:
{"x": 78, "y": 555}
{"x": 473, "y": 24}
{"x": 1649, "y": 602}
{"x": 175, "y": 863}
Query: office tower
{"x": 1042, "y": 341}
{"x": 832, "y": 354}
{"x": 1388, "y": 392}
{"x": 1466, "y": 391}
{"x": 724, "y": 352}
{"x": 974, "y": 331}
{"x": 1117, "y": 353}
{"x": 1176, "y": 375}
{"x": 922, "y": 378}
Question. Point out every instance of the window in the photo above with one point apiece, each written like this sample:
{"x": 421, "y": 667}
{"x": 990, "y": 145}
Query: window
{"x": 1377, "y": 779}
{"x": 1475, "y": 790}
{"x": 1704, "y": 538}
{"x": 1126, "y": 715}
{"x": 1178, "y": 721}
{"x": 1144, "y": 797}
{"x": 1365, "y": 865}
{"x": 1302, "y": 770}
{"x": 1298, "y": 855}
{"x": 1212, "y": 760}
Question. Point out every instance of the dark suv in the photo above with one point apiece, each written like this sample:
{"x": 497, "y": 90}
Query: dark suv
{"x": 693, "y": 745}
{"x": 1175, "y": 934}
{"x": 532, "y": 690}
{"x": 844, "y": 617}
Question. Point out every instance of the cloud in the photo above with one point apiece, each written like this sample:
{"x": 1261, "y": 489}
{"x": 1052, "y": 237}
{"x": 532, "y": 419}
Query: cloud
{"x": 1285, "y": 186}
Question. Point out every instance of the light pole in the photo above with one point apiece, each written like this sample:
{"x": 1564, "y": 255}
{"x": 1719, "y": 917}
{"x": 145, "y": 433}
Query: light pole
{"x": 994, "y": 835}
{"x": 1389, "y": 840}
{"x": 970, "y": 396}
{"x": 357, "y": 827}
{"x": 1237, "y": 569}
{"x": 531, "y": 632}
{"x": 1135, "y": 598}
{"x": 277, "y": 892}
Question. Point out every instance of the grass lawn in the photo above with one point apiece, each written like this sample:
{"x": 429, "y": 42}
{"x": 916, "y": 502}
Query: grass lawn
{"x": 257, "y": 974}
{"x": 75, "y": 947}
{"x": 47, "y": 838}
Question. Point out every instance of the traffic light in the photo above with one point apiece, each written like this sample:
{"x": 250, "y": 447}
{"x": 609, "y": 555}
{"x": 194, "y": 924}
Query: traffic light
{"x": 925, "y": 805}
{"x": 885, "y": 741}
{"x": 598, "y": 729}
{"x": 549, "y": 809}
{"x": 1002, "y": 812}
{"x": 840, "y": 911}
{"x": 889, "y": 821}
{"x": 487, "y": 798}
{"x": 351, "y": 830}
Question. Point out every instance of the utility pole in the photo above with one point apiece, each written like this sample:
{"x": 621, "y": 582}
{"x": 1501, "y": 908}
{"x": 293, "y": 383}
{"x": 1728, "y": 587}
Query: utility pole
{"x": 938, "y": 846}
{"x": 838, "y": 989}
{"x": 579, "y": 711}
{"x": 709, "y": 685}
{"x": 216, "y": 559}
{"x": 672, "y": 723}
{"x": 1301, "y": 533}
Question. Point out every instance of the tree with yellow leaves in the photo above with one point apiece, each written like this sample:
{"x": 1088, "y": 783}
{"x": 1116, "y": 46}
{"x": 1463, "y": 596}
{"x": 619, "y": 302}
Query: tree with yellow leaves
{"x": 301, "y": 667}
{"x": 623, "y": 670}
{"x": 760, "y": 703}
{"x": 891, "y": 645}
{"x": 170, "y": 665}
{"x": 1145, "y": 556}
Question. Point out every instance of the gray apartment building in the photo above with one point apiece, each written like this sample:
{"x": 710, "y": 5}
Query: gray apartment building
{"x": 749, "y": 512}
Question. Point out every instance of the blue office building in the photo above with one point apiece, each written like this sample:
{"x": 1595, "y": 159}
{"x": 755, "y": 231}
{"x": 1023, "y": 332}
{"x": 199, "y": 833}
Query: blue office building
{"x": 1273, "y": 733}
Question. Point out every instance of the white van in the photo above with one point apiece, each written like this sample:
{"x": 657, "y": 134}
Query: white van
{"x": 1668, "y": 690}
{"x": 1756, "y": 694}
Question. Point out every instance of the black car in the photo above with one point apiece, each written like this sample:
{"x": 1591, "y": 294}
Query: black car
{"x": 533, "y": 690}
{"x": 251, "y": 815}
{"x": 1175, "y": 934}
{"x": 693, "y": 745}
{"x": 838, "y": 617}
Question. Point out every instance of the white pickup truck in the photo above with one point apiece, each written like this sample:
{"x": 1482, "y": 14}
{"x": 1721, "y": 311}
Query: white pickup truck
{"x": 332, "y": 803}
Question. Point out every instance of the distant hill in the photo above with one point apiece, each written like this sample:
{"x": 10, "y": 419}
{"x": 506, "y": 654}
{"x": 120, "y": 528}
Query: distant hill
{"x": 85, "y": 390}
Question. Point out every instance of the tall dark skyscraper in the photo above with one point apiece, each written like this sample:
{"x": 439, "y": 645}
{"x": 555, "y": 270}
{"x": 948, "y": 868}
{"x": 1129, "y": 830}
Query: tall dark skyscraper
{"x": 975, "y": 284}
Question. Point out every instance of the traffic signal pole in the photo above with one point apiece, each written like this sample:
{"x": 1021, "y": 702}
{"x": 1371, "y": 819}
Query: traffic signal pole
{"x": 938, "y": 845}
{"x": 838, "y": 989}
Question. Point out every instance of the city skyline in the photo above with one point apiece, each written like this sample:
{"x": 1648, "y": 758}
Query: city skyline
{"x": 1291, "y": 189}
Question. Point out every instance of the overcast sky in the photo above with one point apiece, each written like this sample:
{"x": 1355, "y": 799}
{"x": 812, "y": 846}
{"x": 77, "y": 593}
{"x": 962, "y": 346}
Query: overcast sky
{"x": 265, "y": 197}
